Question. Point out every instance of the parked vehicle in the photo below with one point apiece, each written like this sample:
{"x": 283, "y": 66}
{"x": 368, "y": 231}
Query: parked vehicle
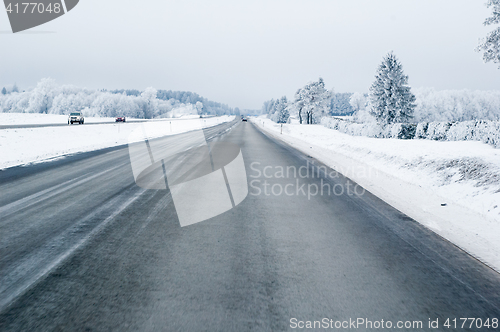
{"x": 120, "y": 119}
{"x": 75, "y": 117}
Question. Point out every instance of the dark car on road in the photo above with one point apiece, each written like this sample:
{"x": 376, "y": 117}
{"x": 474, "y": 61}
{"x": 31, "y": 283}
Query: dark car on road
{"x": 120, "y": 119}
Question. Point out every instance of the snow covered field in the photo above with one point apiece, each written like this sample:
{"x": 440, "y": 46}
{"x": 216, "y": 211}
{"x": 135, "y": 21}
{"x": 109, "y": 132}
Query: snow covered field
{"x": 31, "y": 145}
{"x": 452, "y": 188}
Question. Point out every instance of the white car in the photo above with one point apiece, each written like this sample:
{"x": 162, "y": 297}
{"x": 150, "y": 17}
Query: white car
{"x": 76, "y": 117}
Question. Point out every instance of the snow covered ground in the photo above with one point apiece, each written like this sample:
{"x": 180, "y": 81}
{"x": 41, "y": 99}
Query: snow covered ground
{"x": 31, "y": 145}
{"x": 452, "y": 188}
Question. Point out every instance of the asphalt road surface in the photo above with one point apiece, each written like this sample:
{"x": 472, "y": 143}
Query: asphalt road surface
{"x": 83, "y": 248}
{"x": 24, "y": 126}
{"x": 40, "y": 125}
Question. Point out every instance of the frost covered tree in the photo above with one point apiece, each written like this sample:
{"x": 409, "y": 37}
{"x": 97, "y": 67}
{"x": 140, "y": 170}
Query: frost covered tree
{"x": 199, "y": 108}
{"x": 42, "y": 96}
{"x": 268, "y": 105}
{"x": 277, "y": 110}
{"x": 456, "y": 105}
{"x": 298, "y": 105}
{"x": 391, "y": 99}
{"x": 15, "y": 88}
{"x": 4, "y": 91}
{"x": 311, "y": 102}
{"x": 490, "y": 46}
{"x": 339, "y": 104}
{"x": 272, "y": 107}
{"x": 357, "y": 101}
{"x": 149, "y": 96}
{"x": 282, "y": 113}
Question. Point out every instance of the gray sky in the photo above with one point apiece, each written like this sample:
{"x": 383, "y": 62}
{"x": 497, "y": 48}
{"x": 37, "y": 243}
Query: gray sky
{"x": 244, "y": 52}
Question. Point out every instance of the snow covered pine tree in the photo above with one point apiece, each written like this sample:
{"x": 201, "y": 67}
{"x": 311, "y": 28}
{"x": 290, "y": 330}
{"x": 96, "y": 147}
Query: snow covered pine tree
{"x": 490, "y": 46}
{"x": 390, "y": 97}
{"x": 282, "y": 113}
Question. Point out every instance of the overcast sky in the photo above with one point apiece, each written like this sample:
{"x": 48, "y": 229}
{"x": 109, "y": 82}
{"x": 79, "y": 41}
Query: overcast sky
{"x": 244, "y": 52}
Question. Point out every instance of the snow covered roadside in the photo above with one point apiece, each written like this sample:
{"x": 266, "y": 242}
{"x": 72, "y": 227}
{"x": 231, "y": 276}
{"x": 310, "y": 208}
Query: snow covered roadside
{"x": 417, "y": 177}
{"x": 32, "y": 145}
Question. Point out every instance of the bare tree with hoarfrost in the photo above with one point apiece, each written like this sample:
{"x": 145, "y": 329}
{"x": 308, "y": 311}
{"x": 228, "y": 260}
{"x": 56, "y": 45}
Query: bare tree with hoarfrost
{"x": 339, "y": 104}
{"x": 272, "y": 107}
{"x": 199, "y": 108}
{"x": 298, "y": 105}
{"x": 150, "y": 95}
{"x": 267, "y": 106}
{"x": 357, "y": 101}
{"x": 312, "y": 102}
{"x": 490, "y": 46}
{"x": 391, "y": 99}
{"x": 41, "y": 98}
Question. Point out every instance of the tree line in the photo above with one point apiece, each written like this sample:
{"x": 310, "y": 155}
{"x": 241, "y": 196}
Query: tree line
{"x": 310, "y": 104}
{"x": 185, "y": 97}
{"x": 51, "y": 98}
{"x": 391, "y": 100}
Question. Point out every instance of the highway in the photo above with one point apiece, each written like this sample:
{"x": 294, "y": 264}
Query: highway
{"x": 84, "y": 248}
{"x": 41, "y": 125}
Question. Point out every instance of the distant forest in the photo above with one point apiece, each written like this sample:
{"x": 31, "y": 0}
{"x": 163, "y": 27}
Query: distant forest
{"x": 51, "y": 98}
{"x": 183, "y": 97}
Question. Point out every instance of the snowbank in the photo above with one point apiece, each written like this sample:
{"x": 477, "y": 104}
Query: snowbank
{"x": 417, "y": 177}
{"x": 31, "y": 145}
